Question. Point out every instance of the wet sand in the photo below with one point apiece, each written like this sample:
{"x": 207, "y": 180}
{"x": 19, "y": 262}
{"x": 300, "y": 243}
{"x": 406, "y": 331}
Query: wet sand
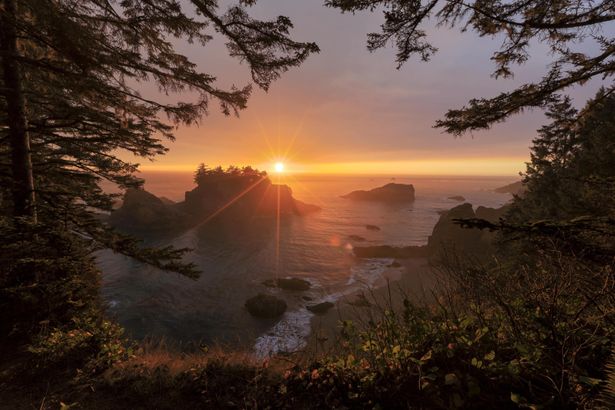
{"x": 413, "y": 280}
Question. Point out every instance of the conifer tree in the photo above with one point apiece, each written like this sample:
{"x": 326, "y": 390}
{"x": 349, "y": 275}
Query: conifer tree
{"x": 72, "y": 99}
{"x": 565, "y": 26}
{"x": 572, "y": 168}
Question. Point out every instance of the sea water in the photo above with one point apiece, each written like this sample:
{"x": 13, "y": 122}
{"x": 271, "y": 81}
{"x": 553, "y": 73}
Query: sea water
{"x": 316, "y": 247}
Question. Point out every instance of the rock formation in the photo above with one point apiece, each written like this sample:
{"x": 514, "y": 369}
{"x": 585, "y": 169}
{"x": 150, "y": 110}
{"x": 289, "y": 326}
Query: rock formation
{"x": 143, "y": 211}
{"x": 265, "y": 306}
{"x": 449, "y": 236}
{"x": 389, "y": 193}
{"x": 223, "y": 198}
{"x": 244, "y": 196}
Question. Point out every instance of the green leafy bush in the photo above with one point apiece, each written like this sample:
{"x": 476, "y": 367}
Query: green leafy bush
{"x": 89, "y": 343}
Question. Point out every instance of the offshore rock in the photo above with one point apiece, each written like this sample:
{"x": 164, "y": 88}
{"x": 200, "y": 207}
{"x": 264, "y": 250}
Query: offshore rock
{"x": 265, "y": 306}
{"x": 389, "y": 193}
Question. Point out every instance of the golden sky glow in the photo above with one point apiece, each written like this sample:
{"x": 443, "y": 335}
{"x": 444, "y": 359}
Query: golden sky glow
{"x": 470, "y": 166}
{"x": 347, "y": 111}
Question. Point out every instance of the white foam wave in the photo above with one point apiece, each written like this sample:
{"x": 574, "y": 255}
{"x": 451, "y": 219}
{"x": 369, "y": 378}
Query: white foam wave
{"x": 292, "y": 331}
{"x": 288, "y": 335}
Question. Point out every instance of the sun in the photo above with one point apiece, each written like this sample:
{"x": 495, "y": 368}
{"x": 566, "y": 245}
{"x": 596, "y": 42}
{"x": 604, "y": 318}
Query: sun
{"x": 279, "y": 167}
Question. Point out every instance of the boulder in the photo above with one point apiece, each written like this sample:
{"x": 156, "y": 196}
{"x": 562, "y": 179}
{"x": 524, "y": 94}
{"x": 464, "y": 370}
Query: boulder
{"x": 389, "y": 193}
{"x": 372, "y": 227}
{"x": 265, "y": 306}
{"x": 320, "y": 308}
{"x": 458, "y": 198}
{"x": 288, "y": 284}
{"x": 356, "y": 238}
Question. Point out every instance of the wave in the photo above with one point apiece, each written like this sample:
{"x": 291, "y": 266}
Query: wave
{"x": 291, "y": 333}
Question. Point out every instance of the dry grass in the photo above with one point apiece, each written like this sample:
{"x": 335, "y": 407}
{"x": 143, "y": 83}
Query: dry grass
{"x": 151, "y": 355}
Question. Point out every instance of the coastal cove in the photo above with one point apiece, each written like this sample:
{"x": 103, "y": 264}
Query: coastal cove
{"x": 317, "y": 248}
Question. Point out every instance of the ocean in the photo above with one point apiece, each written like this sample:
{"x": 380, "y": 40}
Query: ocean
{"x": 153, "y": 304}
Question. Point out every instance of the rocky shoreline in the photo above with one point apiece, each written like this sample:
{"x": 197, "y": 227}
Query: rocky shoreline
{"x": 415, "y": 279}
{"x": 411, "y": 274}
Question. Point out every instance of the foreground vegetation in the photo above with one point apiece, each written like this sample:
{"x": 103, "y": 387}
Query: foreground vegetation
{"x": 530, "y": 328}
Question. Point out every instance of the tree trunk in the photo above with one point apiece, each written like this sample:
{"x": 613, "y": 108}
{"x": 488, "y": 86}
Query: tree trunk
{"x": 21, "y": 163}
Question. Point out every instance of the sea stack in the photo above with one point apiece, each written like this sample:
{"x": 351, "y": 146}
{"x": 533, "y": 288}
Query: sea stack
{"x": 389, "y": 193}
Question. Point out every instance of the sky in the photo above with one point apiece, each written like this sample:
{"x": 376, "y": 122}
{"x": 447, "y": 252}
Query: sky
{"x": 349, "y": 111}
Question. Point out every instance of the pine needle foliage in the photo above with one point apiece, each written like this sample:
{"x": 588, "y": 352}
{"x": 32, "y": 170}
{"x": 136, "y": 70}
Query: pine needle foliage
{"x": 566, "y": 27}
{"x": 74, "y": 100}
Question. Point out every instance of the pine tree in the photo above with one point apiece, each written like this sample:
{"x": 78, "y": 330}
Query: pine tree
{"x": 72, "y": 72}
{"x": 548, "y": 176}
{"x": 572, "y": 169}
{"x": 561, "y": 25}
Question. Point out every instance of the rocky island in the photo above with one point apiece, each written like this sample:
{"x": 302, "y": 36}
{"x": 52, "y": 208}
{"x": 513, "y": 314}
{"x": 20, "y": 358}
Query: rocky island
{"x": 222, "y": 196}
{"x": 389, "y": 193}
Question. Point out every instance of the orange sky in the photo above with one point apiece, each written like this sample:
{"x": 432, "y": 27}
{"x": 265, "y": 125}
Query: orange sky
{"x": 350, "y": 111}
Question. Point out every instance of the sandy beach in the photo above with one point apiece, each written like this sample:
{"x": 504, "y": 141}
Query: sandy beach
{"x": 414, "y": 279}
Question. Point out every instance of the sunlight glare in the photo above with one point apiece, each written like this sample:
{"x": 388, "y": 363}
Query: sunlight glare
{"x": 279, "y": 167}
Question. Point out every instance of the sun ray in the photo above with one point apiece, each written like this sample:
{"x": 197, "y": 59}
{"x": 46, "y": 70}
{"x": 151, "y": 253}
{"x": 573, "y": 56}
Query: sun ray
{"x": 232, "y": 201}
{"x": 277, "y": 233}
{"x": 318, "y": 199}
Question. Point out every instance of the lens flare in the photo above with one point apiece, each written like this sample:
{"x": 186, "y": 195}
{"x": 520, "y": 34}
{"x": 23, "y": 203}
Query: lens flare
{"x": 279, "y": 167}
